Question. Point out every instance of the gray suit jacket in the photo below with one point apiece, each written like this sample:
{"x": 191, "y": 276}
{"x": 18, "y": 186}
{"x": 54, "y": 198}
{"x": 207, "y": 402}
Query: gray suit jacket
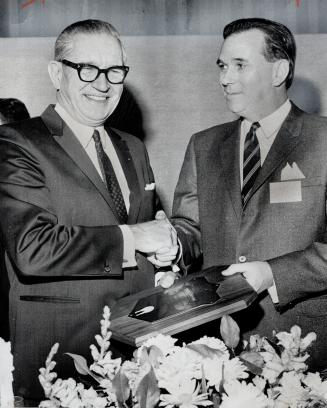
{"x": 291, "y": 236}
{"x": 63, "y": 244}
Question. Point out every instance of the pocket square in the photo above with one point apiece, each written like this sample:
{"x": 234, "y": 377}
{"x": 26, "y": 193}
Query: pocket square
{"x": 291, "y": 172}
{"x": 150, "y": 186}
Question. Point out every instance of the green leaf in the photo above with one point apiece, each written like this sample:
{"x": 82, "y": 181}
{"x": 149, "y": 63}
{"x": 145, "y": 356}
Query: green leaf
{"x": 82, "y": 367}
{"x": 147, "y": 392}
{"x": 154, "y": 354}
{"x": 253, "y": 361}
{"x": 205, "y": 351}
{"x": 230, "y": 332}
{"x": 203, "y": 381}
{"x": 144, "y": 356}
{"x": 121, "y": 387}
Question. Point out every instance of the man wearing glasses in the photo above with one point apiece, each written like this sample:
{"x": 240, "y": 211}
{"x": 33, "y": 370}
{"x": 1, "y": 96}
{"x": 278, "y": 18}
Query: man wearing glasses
{"x": 76, "y": 203}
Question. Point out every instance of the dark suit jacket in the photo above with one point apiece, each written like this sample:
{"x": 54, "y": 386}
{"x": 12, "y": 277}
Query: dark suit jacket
{"x": 64, "y": 247}
{"x": 291, "y": 236}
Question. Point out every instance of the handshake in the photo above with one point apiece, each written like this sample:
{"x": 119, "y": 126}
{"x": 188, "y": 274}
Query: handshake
{"x": 158, "y": 239}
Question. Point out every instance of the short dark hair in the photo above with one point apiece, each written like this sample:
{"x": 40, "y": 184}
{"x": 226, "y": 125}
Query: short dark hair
{"x": 280, "y": 42}
{"x": 12, "y": 110}
{"x": 64, "y": 41}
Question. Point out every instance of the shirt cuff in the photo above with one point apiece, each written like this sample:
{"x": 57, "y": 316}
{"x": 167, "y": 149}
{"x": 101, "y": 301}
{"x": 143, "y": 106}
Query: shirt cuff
{"x": 273, "y": 293}
{"x": 129, "y": 247}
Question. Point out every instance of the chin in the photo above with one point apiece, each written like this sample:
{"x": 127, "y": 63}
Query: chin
{"x": 235, "y": 109}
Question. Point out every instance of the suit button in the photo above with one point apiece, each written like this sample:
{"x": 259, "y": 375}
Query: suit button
{"x": 242, "y": 258}
{"x": 107, "y": 269}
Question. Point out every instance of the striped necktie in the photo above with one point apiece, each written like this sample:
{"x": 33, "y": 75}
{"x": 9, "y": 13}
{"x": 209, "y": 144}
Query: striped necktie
{"x": 251, "y": 162}
{"x": 110, "y": 178}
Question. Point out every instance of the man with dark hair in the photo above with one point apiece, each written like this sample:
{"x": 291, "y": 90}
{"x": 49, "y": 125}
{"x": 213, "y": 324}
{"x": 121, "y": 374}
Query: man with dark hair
{"x": 252, "y": 192}
{"x": 76, "y": 203}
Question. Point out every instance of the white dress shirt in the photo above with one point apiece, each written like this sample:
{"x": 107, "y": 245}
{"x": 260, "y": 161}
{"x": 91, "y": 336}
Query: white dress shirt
{"x": 83, "y": 134}
{"x": 266, "y": 134}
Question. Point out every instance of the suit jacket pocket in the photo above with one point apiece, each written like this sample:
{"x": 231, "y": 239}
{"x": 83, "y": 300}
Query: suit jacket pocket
{"x": 312, "y": 181}
{"x": 314, "y": 307}
{"x": 49, "y": 299}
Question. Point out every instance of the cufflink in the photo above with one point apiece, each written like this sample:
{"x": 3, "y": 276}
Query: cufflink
{"x": 278, "y": 308}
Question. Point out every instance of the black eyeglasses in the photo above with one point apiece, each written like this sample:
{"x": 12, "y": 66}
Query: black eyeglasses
{"x": 89, "y": 73}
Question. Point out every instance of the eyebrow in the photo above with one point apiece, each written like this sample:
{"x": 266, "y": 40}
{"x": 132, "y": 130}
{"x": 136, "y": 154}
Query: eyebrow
{"x": 88, "y": 62}
{"x": 220, "y": 61}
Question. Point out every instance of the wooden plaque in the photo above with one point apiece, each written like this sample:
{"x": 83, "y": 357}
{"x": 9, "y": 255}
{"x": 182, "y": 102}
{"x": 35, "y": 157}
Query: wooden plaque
{"x": 191, "y": 301}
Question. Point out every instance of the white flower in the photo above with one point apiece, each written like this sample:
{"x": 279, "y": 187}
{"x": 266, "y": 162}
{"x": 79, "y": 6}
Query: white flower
{"x": 259, "y": 382}
{"x": 292, "y": 341}
{"x": 184, "y": 374}
{"x": 182, "y": 365}
{"x": 308, "y": 340}
{"x": 294, "y": 362}
{"x": 134, "y": 372}
{"x": 273, "y": 366}
{"x": 164, "y": 343}
{"x": 184, "y": 394}
{"x": 49, "y": 404}
{"x": 291, "y": 391}
{"x": 217, "y": 370}
{"x": 234, "y": 369}
{"x": 107, "y": 366}
{"x": 288, "y": 361}
{"x": 130, "y": 369}
{"x": 213, "y": 371}
{"x": 317, "y": 386}
{"x": 112, "y": 399}
{"x": 256, "y": 342}
{"x": 67, "y": 391}
{"x": 91, "y": 398}
{"x": 242, "y": 395}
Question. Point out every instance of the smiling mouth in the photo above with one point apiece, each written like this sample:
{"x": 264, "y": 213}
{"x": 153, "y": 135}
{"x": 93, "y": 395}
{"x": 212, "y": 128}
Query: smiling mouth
{"x": 231, "y": 93}
{"x": 97, "y": 98}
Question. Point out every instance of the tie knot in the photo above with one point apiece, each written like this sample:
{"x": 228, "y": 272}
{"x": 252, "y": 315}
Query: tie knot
{"x": 96, "y": 136}
{"x": 255, "y": 126}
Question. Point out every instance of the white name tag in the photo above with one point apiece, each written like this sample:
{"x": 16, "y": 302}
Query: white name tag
{"x": 285, "y": 192}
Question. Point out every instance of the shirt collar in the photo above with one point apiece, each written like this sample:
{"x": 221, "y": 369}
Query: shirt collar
{"x": 82, "y": 132}
{"x": 272, "y": 123}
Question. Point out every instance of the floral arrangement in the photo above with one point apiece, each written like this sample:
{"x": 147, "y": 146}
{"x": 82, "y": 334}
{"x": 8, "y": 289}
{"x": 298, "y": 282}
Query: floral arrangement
{"x": 204, "y": 373}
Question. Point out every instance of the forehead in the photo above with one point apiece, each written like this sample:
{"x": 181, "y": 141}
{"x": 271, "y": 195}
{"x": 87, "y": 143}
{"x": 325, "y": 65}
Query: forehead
{"x": 245, "y": 45}
{"x": 99, "y": 49}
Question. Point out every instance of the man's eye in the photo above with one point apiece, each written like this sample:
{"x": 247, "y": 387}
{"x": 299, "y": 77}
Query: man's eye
{"x": 88, "y": 68}
{"x": 222, "y": 67}
{"x": 240, "y": 66}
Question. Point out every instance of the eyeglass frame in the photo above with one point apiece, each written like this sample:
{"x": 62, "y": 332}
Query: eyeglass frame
{"x": 105, "y": 71}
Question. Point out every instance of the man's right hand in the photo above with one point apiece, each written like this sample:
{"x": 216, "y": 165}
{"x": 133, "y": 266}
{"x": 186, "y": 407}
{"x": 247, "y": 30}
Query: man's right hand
{"x": 153, "y": 236}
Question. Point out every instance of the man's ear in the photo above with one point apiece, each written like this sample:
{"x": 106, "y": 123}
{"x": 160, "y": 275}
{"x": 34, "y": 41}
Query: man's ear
{"x": 280, "y": 71}
{"x": 55, "y": 73}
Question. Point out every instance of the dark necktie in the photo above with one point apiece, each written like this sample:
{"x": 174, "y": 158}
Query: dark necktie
{"x": 251, "y": 162}
{"x": 110, "y": 179}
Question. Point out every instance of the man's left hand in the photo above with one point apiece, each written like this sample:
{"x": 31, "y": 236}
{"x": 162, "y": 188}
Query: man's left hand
{"x": 258, "y": 274}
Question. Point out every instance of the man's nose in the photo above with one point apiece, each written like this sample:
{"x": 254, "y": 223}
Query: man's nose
{"x": 101, "y": 83}
{"x": 227, "y": 76}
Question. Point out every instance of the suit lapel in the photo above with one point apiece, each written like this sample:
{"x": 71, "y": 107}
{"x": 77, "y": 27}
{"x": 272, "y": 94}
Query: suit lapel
{"x": 286, "y": 140}
{"x": 127, "y": 164}
{"x": 69, "y": 143}
{"x": 229, "y": 155}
